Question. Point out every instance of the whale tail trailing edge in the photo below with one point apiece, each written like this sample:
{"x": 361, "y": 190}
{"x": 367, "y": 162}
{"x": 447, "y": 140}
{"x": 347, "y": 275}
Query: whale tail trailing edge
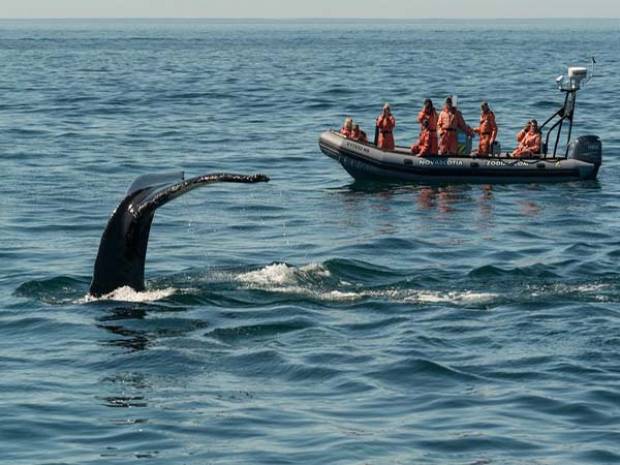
{"x": 122, "y": 250}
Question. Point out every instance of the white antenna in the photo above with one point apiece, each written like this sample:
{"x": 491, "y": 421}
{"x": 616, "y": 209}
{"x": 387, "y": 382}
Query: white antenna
{"x": 591, "y": 74}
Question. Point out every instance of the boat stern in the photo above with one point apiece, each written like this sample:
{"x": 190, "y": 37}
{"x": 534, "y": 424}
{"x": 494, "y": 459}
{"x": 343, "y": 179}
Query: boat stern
{"x": 588, "y": 149}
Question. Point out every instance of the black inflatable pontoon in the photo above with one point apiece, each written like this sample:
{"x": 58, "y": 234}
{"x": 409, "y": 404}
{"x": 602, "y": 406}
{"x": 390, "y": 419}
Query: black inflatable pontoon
{"x": 581, "y": 160}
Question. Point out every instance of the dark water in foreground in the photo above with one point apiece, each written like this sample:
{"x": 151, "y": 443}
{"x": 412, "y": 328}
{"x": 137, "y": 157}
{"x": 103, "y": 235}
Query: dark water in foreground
{"x": 310, "y": 320}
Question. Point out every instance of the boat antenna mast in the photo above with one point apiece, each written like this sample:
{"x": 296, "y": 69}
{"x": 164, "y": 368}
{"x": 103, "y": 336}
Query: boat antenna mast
{"x": 577, "y": 78}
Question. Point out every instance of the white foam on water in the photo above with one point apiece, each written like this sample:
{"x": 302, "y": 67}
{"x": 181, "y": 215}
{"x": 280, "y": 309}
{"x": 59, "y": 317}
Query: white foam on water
{"x": 568, "y": 289}
{"x": 322, "y": 295}
{"x": 431, "y": 297}
{"x": 339, "y": 296}
{"x": 572, "y": 288}
{"x": 280, "y": 274}
{"x": 436, "y": 297}
{"x": 591, "y": 287}
{"x": 276, "y": 274}
{"x": 127, "y": 294}
{"x": 316, "y": 269}
{"x": 285, "y": 279}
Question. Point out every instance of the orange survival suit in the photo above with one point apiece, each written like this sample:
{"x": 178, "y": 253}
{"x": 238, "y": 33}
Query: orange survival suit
{"x": 430, "y": 115}
{"x": 427, "y": 140}
{"x": 450, "y": 119}
{"x": 487, "y": 131}
{"x": 359, "y": 135}
{"x": 530, "y": 143}
{"x": 386, "y": 125}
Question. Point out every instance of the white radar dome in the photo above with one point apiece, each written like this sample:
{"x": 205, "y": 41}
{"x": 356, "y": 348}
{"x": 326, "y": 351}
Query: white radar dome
{"x": 576, "y": 74}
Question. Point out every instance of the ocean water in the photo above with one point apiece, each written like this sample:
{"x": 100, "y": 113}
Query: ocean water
{"x": 311, "y": 320}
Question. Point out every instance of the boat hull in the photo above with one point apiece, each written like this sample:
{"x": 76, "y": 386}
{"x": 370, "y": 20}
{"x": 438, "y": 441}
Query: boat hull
{"x": 366, "y": 162}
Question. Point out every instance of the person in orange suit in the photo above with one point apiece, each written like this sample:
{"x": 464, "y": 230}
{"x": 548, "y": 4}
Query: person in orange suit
{"x": 523, "y": 132}
{"x": 424, "y": 146}
{"x": 385, "y": 126}
{"x": 359, "y": 135}
{"x": 450, "y": 119}
{"x": 487, "y": 130}
{"x": 531, "y": 142}
{"x": 347, "y": 128}
{"x": 429, "y": 114}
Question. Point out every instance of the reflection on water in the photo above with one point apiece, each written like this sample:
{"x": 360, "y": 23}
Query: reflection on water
{"x": 529, "y": 208}
{"x": 131, "y": 339}
{"x": 125, "y": 402}
{"x": 379, "y": 205}
{"x": 426, "y": 198}
{"x": 131, "y": 386}
{"x": 444, "y": 198}
{"x": 485, "y": 206}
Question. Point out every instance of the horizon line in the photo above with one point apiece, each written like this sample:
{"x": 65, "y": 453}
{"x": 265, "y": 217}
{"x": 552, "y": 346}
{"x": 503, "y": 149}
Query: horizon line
{"x": 311, "y": 18}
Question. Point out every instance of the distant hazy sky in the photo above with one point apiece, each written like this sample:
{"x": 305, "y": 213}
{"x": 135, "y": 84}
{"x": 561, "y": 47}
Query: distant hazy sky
{"x": 309, "y": 8}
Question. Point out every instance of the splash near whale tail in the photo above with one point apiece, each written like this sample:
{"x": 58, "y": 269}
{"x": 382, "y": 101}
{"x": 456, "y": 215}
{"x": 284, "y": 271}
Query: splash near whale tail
{"x": 122, "y": 250}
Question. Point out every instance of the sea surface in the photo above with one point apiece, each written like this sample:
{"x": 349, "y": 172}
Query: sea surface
{"x": 311, "y": 320}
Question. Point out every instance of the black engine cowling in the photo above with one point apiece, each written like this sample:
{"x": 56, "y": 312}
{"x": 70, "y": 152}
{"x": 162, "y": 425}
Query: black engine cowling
{"x": 586, "y": 148}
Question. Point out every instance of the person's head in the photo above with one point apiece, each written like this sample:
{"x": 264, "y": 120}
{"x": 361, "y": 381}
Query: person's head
{"x": 534, "y": 125}
{"x": 348, "y": 123}
{"x": 356, "y": 127}
{"x": 484, "y": 107}
{"x": 387, "y": 109}
{"x": 428, "y": 104}
{"x": 449, "y": 102}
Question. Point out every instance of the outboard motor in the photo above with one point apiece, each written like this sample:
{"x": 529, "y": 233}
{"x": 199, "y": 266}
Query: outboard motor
{"x": 586, "y": 148}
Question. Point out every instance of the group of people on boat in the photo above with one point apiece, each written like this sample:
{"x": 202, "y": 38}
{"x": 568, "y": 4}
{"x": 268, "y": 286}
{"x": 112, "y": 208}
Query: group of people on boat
{"x": 438, "y": 132}
{"x": 352, "y": 131}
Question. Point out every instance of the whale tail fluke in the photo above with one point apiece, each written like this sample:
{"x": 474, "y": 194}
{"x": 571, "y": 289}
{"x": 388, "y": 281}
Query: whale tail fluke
{"x": 161, "y": 197}
{"x": 122, "y": 250}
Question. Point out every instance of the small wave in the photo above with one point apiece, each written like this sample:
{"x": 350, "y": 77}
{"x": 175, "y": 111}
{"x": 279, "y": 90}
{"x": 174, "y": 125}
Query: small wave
{"x": 601, "y": 292}
{"x": 57, "y": 290}
{"x": 187, "y": 95}
{"x": 545, "y": 103}
{"x": 127, "y": 294}
{"x": 465, "y": 297}
{"x": 590, "y": 287}
{"x": 309, "y": 281}
{"x": 27, "y": 132}
{"x": 411, "y": 370}
{"x": 281, "y": 273}
{"x": 75, "y": 99}
{"x": 321, "y": 295}
{"x": 433, "y": 297}
{"x": 487, "y": 272}
{"x": 229, "y": 334}
{"x": 338, "y": 91}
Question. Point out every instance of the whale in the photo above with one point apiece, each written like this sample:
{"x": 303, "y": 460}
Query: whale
{"x": 122, "y": 249}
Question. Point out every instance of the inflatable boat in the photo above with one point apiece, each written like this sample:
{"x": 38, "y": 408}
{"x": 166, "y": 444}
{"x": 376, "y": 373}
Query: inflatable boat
{"x": 581, "y": 159}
